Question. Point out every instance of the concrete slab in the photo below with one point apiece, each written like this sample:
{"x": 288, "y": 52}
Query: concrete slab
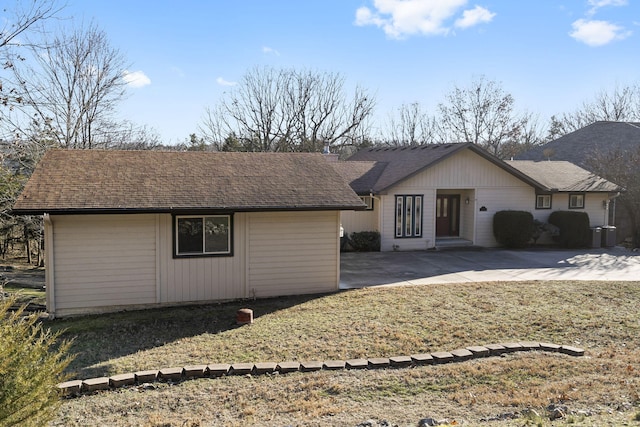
{"x": 486, "y": 265}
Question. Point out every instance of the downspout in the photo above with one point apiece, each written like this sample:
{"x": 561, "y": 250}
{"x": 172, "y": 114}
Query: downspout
{"x": 49, "y": 270}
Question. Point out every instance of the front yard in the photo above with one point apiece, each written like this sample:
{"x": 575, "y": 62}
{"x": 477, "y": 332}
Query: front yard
{"x": 602, "y": 388}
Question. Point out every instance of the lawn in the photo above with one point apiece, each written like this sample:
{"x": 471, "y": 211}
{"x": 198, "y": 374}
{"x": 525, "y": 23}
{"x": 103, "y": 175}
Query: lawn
{"x": 602, "y": 388}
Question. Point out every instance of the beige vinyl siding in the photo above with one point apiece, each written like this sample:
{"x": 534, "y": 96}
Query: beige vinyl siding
{"x": 495, "y": 200}
{"x": 103, "y": 260}
{"x": 201, "y": 278}
{"x": 293, "y": 253}
{"x": 356, "y": 221}
{"x": 387, "y": 235}
{"x": 464, "y": 173}
{"x": 593, "y": 207}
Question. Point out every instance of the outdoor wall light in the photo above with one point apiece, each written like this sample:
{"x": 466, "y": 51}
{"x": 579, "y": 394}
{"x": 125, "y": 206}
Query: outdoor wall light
{"x": 466, "y": 201}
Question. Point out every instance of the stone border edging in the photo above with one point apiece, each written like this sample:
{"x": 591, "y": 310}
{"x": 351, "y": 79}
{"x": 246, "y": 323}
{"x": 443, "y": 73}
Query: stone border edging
{"x": 215, "y": 370}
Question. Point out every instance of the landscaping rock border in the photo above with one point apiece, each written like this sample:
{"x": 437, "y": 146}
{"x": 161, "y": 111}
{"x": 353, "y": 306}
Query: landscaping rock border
{"x": 215, "y": 370}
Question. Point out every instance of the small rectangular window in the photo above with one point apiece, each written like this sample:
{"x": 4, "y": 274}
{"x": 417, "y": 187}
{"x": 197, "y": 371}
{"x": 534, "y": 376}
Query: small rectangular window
{"x": 368, "y": 200}
{"x": 543, "y": 201}
{"x": 202, "y": 235}
{"x": 576, "y": 201}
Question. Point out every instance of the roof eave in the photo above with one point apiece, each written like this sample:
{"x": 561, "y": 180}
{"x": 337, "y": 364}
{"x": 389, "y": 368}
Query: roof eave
{"x": 179, "y": 210}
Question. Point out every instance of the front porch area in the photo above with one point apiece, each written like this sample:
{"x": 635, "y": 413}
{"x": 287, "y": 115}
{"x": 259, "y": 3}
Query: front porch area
{"x": 452, "y": 242}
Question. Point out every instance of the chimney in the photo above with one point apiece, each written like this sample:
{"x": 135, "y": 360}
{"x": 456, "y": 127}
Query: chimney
{"x": 326, "y": 152}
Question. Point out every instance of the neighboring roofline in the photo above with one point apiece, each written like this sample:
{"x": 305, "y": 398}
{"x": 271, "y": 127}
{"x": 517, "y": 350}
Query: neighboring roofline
{"x": 182, "y": 210}
{"x": 483, "y": 153}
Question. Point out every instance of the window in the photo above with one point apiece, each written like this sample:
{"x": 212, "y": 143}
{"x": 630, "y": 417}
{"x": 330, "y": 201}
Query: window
{"x": 576, "y": 201}
{"x": 197, "y": 235}
{"x": 543, "y": 201}
{"x": 408, "y": 216}
{"x": 368, "y": 200}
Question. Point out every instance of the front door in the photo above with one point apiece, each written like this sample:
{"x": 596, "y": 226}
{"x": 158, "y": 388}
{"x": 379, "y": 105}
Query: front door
{"x": 447, "y": 215}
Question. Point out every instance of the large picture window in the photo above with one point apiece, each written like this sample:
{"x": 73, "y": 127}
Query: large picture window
{"x": 409, "y": 216}
{"x": 198, "y": 235}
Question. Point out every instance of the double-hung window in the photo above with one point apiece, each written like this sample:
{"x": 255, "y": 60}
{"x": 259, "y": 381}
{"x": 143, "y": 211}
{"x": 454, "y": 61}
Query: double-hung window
{"x": 543, "y": 201}
{"x": 409, "y": 216}
{"x": 576, "y": 201}
{"x": 202, "y": 235}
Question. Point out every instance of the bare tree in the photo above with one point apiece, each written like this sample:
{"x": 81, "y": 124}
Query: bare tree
{"x": 621, "y": 166}
{"x": 287, "y": 110}
{"x": 483, "y": 114}
{"x": 621, "y": 104}
{"x": 73, "y": 86}
{"x": 411, "y": 126}
{"x": 18, "y": 20}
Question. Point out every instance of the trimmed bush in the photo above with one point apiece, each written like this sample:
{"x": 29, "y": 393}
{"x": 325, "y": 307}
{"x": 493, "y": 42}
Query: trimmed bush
{"x": 513, "y": 229}
{"x": 365, "y": 241}
{"x": 31, "y": 366}
{"x": 574, "y": 228}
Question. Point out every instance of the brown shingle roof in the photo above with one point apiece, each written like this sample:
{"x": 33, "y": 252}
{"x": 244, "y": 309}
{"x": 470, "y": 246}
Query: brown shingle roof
{"x": 564, "y": 176}
{"x": 377, "y": 169}
{"x": 361, "y": 176}
{"x": 401, "y": 163}
{"x": 163, "y": 181}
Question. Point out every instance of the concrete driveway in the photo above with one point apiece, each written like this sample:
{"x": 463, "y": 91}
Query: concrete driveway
{"x": 482, "y": 265}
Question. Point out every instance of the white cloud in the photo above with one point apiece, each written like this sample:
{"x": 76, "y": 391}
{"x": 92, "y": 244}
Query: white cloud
{"x": 402, "y": 18}
{"x": 597, "y": 4}
{"x": 597, "y": 33}
{"x": 223, "y": 82}
{"x": 473, "y": 17}
{"x": 267, "y": 50}
{"x": 136, "y": 78}
{"x": 603, "y": 3}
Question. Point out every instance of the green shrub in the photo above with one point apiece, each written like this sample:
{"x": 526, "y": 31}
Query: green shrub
{"x": 365, "y": 241}
{"x": 574, "y": 228}
{"x": 513, "y": 229}
{"x": 31, "y": 365}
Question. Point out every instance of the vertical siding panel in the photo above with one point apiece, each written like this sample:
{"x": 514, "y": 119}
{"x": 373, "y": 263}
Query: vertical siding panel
{"x": 104, "y": 261}
{"x": 464, "y": 173}
{"x": 206, "y": 278}
{"x": 357, "y": 221}
{"x": 293, "y": 253}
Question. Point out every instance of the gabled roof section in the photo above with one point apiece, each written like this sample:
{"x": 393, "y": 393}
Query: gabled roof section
{"x": 401, "y": 163}
{"x": 578, "y": 146}
{"x": 92, "y": 181}
{"x": 564, "y": 176}
{"x": 362, "y": 176}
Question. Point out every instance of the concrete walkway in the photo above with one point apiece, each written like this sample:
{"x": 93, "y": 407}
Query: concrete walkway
{"x": 483, "y": 265}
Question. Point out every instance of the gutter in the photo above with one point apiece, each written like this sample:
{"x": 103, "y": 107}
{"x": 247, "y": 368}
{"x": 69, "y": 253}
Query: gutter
{"x": 185, "y": 210}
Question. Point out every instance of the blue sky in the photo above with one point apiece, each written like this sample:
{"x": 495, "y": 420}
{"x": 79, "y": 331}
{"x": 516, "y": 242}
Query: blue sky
{"x": 551, "y": 55}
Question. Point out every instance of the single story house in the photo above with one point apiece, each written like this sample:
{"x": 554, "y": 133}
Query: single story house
{"x": 133, "y": 229}
{"x": 436, "y": 195}
{"x": 590, "y": 147}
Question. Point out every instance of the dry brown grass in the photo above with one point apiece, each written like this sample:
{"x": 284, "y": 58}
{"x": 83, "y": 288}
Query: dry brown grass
{"x": 601, "y": 317}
